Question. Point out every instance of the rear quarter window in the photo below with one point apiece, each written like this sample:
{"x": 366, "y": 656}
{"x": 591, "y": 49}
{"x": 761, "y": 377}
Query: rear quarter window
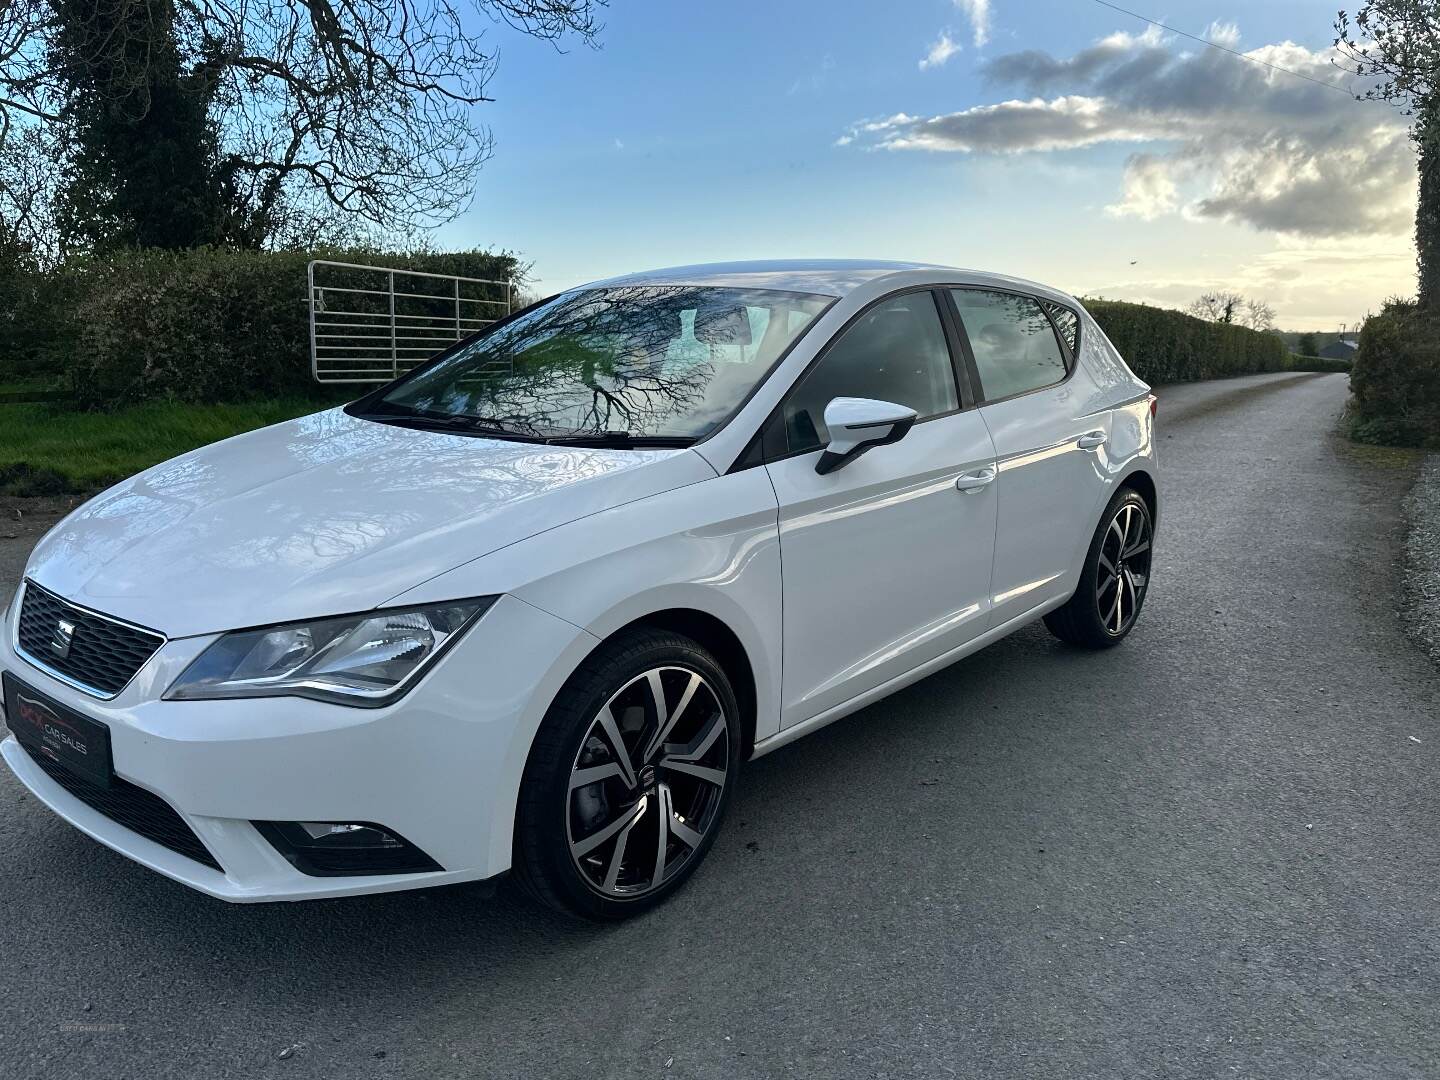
{"x": 1067, "y": 325}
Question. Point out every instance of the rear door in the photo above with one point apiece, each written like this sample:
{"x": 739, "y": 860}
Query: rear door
{"x": 1046, "y": 447}
{"x": 885, "y": 562}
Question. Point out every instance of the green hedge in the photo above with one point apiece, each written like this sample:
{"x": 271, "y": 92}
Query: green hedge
{"x": 1163, "y": 346}
{"x": 1396, "y": 378}
{"x": 202, "y": 326}
{"x": 213, "y": 325}
{"x": 26, "y": 307}
{"x": 1318, "y": 363}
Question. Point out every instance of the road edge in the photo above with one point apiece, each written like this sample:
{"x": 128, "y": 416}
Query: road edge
{"x": 1421, "y": 576}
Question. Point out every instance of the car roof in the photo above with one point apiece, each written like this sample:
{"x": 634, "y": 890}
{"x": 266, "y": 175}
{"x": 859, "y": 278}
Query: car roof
{"x": 827, "y": 277}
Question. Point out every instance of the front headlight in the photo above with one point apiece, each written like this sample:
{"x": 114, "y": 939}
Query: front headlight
{"x": 367, "y": 659}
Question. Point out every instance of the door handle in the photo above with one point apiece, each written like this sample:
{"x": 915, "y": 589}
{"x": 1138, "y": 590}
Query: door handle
{"x": 971, "y": 482}
{"x": 1092, "y": 440}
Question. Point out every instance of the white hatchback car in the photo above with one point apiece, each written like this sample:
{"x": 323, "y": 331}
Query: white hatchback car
{"x": 530, "y": 606}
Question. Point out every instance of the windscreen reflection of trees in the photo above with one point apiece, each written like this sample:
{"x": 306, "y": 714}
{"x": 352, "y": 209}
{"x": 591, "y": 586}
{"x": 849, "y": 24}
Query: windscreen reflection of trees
{"x": 618, "y": 359}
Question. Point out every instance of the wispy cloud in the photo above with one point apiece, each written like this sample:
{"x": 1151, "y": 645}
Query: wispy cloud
{"x": 1227, "y": 140}
{"x": 940, "y": 52}
{"x": 814, "y": 82}
{"x": 1224, "y": 33}
{"x": 978, "y": 12}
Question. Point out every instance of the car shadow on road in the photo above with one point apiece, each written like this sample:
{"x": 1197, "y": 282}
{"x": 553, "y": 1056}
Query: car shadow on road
{"x": 814, "y": 820}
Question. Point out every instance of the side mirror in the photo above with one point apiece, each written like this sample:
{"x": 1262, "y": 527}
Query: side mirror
{"x": 857, "y": 424}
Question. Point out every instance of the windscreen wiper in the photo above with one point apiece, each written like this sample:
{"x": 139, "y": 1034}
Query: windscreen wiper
{"x": 619, "y": 439}
{"x": 481, "y": 426}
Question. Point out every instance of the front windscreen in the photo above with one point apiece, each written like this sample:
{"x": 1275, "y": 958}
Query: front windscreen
{"x": 660, "y": 361}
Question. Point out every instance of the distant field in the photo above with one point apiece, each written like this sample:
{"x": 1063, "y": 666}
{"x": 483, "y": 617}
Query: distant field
{"x": 45, "y": 450}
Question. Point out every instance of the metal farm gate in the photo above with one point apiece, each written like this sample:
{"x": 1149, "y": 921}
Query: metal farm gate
{"x": 370, "y": 324}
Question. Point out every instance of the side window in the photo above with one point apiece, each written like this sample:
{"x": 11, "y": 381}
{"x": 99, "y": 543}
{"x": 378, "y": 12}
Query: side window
{"x": 1067, "y": 323}
{"x": 1014, "y": 344}
{"x": 895, "y": 352}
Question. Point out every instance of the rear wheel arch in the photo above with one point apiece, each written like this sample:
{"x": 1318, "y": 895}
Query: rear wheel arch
{"x": 1144, "y": 484}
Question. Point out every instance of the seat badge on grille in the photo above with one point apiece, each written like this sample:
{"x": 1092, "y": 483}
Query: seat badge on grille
{"x": 62, "y": 638}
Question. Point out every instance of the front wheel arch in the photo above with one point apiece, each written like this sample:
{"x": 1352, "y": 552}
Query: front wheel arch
{"x": 716, "y": 637}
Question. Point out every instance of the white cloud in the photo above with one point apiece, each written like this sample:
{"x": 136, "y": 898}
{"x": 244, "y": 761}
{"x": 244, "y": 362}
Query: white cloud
{"x": 1064, "y": 123}
{"x": 1224, "y": 33}
{"x": 978, "y": 12}
{"x": 1150, "y": 189}
{"x": 1231, "y": 141}
{"x": 940, "y": 52}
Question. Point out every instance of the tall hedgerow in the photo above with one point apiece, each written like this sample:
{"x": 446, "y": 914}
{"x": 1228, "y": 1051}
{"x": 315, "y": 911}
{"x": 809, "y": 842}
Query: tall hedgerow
{"x": 1163, "y": 346}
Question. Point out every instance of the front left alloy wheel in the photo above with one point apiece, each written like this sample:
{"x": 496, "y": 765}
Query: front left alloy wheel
{"x": 628, "y": 778}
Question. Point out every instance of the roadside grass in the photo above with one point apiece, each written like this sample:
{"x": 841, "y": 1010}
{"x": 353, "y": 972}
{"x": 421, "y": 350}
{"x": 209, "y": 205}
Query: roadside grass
{"x": 45, "y": 450}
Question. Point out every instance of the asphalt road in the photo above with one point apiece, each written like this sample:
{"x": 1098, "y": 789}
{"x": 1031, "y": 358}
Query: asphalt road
{"x": 1212, "y": 852}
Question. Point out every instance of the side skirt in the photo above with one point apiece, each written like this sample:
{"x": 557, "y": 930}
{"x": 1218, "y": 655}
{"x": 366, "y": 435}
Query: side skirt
{"x": 914, "y": 675}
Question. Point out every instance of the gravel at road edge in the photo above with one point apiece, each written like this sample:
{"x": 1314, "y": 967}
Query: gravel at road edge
{"x": 1422, "y": 558}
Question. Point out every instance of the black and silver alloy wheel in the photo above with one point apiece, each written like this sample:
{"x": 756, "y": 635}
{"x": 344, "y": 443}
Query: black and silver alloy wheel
{"x": 647, "y": 782}
{"x": 628, "y": 778}
{"x": 1124, "y": 565}
{"x": 1114, "y": 579}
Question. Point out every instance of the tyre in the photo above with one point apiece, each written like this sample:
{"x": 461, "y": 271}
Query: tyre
{"x": 629, "y": 777}
{"x": 1114, "y": 580}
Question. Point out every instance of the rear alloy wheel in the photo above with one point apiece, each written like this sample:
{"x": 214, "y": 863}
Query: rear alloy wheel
{"x": 629, "y": 778}
{"x": 1114, "y": 580}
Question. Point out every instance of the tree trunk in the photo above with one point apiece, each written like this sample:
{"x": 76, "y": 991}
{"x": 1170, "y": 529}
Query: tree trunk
{"x": 1427, "y": 215}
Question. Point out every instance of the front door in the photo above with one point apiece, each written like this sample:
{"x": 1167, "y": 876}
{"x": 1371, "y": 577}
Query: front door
{"x": 885, "y": 562}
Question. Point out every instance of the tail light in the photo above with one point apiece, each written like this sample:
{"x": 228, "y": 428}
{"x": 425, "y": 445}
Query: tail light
{"x": 1154, "y": 404}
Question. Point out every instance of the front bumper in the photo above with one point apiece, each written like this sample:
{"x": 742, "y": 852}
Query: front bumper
{"x": 441, "y": 767}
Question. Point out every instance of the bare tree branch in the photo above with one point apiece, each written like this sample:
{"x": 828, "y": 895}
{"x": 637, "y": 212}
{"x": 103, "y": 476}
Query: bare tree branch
{"x": 354, "y": 107}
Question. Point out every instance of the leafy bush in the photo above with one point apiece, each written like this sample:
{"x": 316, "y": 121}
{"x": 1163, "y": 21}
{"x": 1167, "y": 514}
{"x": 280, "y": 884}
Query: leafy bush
{"x": 208, "y": 325}
{"x": 1163, "y": 346}
{"x": 1396, "y": 378}
{"x": 23, "y": 313}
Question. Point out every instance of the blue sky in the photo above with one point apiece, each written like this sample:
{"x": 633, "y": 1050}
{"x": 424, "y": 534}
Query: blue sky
{"x": 700, "y": 133}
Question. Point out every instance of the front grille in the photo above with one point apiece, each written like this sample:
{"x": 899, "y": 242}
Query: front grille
{"x": 103, "y": 654}
{"x": 136, "y": 809}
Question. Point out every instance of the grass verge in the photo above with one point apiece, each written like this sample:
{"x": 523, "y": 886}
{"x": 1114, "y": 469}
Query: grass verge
{"x": 45, "y": 450}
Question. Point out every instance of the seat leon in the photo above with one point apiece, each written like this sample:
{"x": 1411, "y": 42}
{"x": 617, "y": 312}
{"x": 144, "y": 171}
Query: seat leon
{"x": 528, "y": 609}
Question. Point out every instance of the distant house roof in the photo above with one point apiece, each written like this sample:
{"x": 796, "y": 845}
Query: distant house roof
{"x": 1340, "y": 349}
